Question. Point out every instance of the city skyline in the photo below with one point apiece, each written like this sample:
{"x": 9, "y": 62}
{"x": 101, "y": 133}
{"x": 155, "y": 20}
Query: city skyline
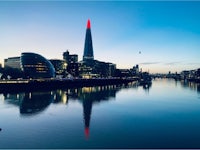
{"x": 159, "y": 36}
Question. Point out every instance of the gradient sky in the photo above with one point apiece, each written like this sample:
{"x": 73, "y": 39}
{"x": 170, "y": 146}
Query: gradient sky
{"x": 166, "y": 33}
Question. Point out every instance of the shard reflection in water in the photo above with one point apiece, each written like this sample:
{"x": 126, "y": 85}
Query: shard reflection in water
{"x": 33, "y": 103}
{"x": 90, "y": 95}
{"x": 153, "y": 116}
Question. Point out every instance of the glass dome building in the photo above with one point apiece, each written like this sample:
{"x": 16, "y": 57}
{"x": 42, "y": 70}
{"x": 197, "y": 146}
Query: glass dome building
{"x": 36, "y": 66}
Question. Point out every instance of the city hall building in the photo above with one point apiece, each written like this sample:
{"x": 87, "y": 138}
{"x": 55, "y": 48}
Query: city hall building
{"x": 32, "y": 66}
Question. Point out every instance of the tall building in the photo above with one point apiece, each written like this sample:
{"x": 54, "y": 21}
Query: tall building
{"x": 72, "y": 63}
{"x": 89, "y": 67}
{"x": 88, "y": 48}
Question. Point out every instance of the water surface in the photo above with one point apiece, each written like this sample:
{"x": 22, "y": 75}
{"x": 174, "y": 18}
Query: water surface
{"x": 164, "y": 115}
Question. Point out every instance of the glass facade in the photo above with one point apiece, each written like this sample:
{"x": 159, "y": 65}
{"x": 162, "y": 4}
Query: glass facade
{"x": 59, "y": 65}
{"x": 88, "y": 48}
{"x": 36, "y": 66}
{"x": 12, "y": 62}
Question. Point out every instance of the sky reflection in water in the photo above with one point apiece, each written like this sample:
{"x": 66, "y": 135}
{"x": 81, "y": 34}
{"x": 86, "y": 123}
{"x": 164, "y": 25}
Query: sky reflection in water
{"x": 163, "y": 115}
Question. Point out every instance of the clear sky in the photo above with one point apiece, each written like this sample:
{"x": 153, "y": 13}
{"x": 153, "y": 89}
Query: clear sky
{"x": 159, "y": 36}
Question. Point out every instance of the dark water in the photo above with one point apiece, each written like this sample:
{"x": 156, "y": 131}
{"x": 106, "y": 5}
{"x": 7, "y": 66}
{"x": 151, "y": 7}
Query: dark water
{"x": 164, "y": 115}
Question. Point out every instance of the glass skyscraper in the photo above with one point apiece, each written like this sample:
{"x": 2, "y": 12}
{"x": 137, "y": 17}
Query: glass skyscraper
{"x": 88, "y": 48}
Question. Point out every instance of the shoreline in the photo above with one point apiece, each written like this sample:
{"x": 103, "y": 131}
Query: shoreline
{"x": 52, "y": 83}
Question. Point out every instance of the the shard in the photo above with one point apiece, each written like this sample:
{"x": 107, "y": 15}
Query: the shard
{"x": 88, "y": 48}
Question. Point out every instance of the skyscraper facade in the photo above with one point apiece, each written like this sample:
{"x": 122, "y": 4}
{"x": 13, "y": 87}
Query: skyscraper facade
{"x": 89, "y": 67}
{"x": 88, "y": 48}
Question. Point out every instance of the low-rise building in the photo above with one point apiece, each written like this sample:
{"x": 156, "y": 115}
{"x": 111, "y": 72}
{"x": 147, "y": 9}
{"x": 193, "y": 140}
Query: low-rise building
{"x": 60, "y": 67}
{"x": 12, "y": 62}
{"x": 95, "y": 69}
{"x": 28, "y": 65}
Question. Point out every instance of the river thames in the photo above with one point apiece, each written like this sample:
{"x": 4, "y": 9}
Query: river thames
{"x": 164, "y": 115}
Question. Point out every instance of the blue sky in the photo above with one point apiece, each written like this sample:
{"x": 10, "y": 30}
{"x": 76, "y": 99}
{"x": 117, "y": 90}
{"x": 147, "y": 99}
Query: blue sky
{"x": 166, "y": 33}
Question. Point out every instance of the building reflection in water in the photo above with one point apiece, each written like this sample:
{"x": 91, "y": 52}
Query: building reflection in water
{"x": 33, "y": 103}
{"x": 198, "y": 88}
{"x": 30, "y": 103}
{"x": 59, "y": 96}
{"x": 147, "y": 87}
{"x": 90, "y": 95}
{"x": 192, "y": 85}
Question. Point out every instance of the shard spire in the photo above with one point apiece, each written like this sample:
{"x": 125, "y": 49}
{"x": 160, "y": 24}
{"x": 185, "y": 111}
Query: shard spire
{"x": 88, "y": 48}
{"x": 88, "y": 24}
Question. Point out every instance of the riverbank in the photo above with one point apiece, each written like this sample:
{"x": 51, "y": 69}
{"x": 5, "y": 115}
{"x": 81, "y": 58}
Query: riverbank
{"x": 51, "y": 84}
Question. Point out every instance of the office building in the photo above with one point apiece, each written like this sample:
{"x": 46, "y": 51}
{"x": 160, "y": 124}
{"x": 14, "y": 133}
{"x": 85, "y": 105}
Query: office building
{"x": 70, "y": 58}
{"x": 90, "y": 68}
{"x": 72, "y": 63}
{"x": 88, "y": 47}
{"x": 12, "y": 62}
{"x": 135, "y": 70}
{"x": 36, "y": 66}
{"x": 60, "y": 67}
{"x": 29, "y": 65}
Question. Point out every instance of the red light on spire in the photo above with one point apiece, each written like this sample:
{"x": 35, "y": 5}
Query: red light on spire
{"x": 88, "y": 24}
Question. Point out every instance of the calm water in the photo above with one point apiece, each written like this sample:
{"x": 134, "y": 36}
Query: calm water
{"x": 165, "y": 115}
